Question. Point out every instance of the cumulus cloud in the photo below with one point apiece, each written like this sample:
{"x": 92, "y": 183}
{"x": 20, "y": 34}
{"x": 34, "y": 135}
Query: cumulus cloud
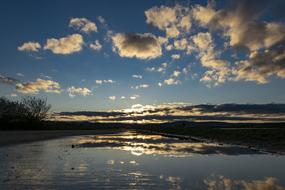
{"x": 172, "y": 81}
{"x": 176, "y": 73}
{"x": 175, "y": 56}
{"x": 66, "y": 45}
{"x": 99, "y": 82}
{"x": 221, "y": 182}
{"x": 8, "y": 80}
{"x": 73, "y": 91}
{"x": 180, "y": 44}
{"x": 160, "y": 69}
{"x": 83, "y": 25}
{"x": 36, "y": 86}
{"x": 135, "y": 96}
{"x": 141, "y": 46}
{"x": 30, "y": 46}
{"x": 172, "y": 20}
{"x": 137, "y": 76}
{"x": 240, "y": 24}
{"x": 141, "y": 86}
{"x": 261, "y": 65}
{"x": 218, "y": 70}
{"x": 112, "y": 98}
{"x": 96, "y": 45}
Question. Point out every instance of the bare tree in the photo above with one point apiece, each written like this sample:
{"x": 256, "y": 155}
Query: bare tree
{"x": 36, "y": 109}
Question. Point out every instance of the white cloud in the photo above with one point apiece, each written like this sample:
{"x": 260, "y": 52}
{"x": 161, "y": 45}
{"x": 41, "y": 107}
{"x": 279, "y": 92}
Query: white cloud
{"x": 176, "y": 73}
{"x": 72, "y": 91}
{"x": 20, "y": 74}
{"x": 123, "y": 97}
{"x": 112, "y": 98}
{"x": 36, "y": 86}
{"x": 66, "y": 45}
{"x": 141, "y": 46}
{"x": 96, "y": 45}
{"x": 175, "y": 56}
{"x": 101, "y": 20}
{"x": 83, "y": 24}
{"x": 172, "y": 20}
{"x": 30, "y": 46}
{"x": 137, "y": 76}
{"x": 172, "y": 81}
{"x": 181, "y": 44}
{"x": 135, "y": 96}
{"x": 141, "y": 86}
{"x": 150, "y": 69}
{"x": 160, "y": 69}
{"x": 99, "y": 82}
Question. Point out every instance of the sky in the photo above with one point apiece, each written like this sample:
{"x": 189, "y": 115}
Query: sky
{"x": 106, "y": 55}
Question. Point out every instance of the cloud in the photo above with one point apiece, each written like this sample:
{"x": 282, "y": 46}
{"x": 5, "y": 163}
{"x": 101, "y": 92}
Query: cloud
{"x": 218, "y": 70}
{"x": 101, "y": 20}
{"x": 83, "y": 25}
{"x": 20, "y": 74}
{"x": 221, "y": 182}
{"x": 30, "y": 46}
{"x": 137, "y": 76}
{"x": 104, "y": 81}
{"x": 173, "y": 20}
{"x": 180, "y": 44}
{"x": 150, "y": 69}
{"x": 141, "y": 86}
{"x": 240, "y": 24}
{"x": 181, "y": 111}
{"x": 112, "y": 98}
{"x": 8, "y": 80}
{"x": 172, "y": 81}
{"x": 160, "y": 69}
{"x": 238, "y": 29}
{"x": 261, "y": 65}
{"x": 141, "y": 46}
{"x": 40, "y": 84}
{"x": 175, "y": 56}
{"x": 96, "y": 45}
{"x": 66, "y": 45}
{"x": 72, "y": 91}
{"x": 176, "y": 73}
{"x": 135, "y": 96}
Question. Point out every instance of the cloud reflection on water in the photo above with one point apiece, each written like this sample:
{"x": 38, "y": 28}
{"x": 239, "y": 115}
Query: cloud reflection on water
{"x": 139, "y": 144}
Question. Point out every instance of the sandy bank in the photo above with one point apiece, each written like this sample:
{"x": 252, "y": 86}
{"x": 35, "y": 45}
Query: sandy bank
{"x": 18, "y": 137}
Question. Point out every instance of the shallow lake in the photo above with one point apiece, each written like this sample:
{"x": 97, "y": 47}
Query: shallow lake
{"x": 137, "y": 161}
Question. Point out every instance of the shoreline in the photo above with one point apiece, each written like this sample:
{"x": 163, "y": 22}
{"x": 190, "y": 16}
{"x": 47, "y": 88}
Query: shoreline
{"x": 8, "y": 138}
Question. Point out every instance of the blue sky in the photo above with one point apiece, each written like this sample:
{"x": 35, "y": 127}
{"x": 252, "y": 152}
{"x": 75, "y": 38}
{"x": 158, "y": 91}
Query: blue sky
{"x": 133, "y": 40}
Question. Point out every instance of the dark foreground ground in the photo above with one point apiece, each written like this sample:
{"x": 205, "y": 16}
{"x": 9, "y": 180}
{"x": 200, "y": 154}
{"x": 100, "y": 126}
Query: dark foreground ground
{"x": 269, "y": 136}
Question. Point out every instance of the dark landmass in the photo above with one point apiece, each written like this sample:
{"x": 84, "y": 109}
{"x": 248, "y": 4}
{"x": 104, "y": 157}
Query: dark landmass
{"x": 265, "y": 136}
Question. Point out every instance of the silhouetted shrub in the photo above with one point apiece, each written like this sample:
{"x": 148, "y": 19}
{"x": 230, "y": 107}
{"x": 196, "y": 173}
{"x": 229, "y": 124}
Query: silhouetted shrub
{"x": 29, "y": 109}
{"x": 36, "y": 109}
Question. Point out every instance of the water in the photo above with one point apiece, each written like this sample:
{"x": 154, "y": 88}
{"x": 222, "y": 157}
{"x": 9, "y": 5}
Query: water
{"x": 136, "y": 161}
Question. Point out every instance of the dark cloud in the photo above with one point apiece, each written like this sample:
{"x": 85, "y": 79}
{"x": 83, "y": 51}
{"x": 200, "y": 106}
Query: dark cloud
{"x": 142, "y": 46}
{"x": 203, "y": 112}
{"x": 239, "y": 108}
{"x": 8, "y": 80}
{"x": 90, "y": 113}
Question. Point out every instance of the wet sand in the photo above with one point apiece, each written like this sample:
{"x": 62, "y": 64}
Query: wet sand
{"x": 18, "y": 137}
